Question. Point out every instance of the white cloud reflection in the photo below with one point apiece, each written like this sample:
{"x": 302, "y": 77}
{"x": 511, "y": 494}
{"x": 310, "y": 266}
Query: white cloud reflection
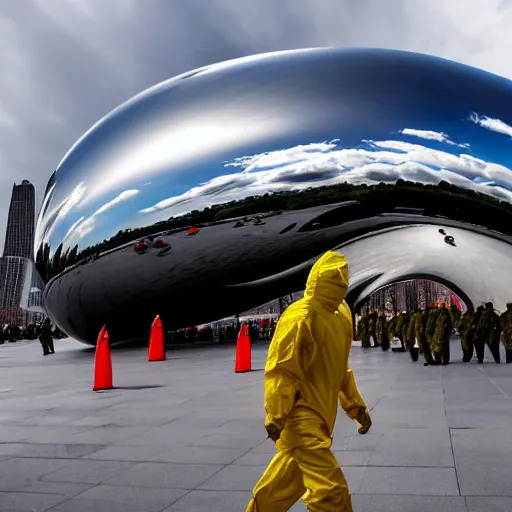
{"x": 495, "y": 125}
{"x": 83, "y": 226}
{"x": 57, "y": 214}
{"x": 431, "y": 135}
{"x": 319, "y": 164}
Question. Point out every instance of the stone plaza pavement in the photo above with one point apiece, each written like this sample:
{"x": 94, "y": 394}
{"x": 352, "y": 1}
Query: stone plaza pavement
{"x": 186, "y": 434}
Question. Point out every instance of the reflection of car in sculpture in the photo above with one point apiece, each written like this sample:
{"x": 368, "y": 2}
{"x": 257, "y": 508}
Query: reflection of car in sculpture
{"x": 370, "y": 150}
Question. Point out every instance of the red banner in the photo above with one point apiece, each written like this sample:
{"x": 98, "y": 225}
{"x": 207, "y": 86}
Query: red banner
{"x": 456, "y": 301}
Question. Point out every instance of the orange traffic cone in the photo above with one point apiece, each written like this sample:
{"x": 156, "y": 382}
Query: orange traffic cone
{"x": 156, "y": 350}
{"x": 102, "y": 363}
{"x": 243, "y": 351}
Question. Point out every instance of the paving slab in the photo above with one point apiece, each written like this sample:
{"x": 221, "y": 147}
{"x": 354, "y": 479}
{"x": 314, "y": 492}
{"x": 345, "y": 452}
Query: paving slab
{"x": 484, "y": 461}
{"x": 30, "y": 468}
{"x": 409, "y": 480}
{"x": 165, "y": 475}
{"x": 414, "y": 447}
{"x": 50, "y": 451}
{"x": 67, "y": 489}
{"x": 489, "y": 504}
{"x": 201, "y": 455}
{"x": 384, "y": 503}
{"x": 86, "y": 471}
{"x": 187, "y": 434}
{"x": 105, "y": 498}
{"x": 213, "y": 501}
{"x": 23, "y": 501}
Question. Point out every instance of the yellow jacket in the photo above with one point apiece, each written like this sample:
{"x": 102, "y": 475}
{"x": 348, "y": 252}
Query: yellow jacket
{"x": 307, "y": 363}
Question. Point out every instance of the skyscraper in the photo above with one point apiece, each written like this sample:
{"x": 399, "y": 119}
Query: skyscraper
{"x": 17, "y": 263}
{"x": 19, "y": 235}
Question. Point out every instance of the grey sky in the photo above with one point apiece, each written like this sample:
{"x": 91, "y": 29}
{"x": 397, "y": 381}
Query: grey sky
{"x": 66, "y": 63}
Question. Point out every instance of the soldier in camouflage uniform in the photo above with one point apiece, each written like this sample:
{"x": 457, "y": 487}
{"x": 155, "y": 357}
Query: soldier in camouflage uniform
{"x": 486, "y": 329}
{"x": 420, "y": 329}
{"x": 441, "y": 338}
{"x": 402, "y": 322}
{"x": 411, "y": 330}
{"x": 391, "y": 328}
{"x": 380, "y": 332}
{"x": 410, "y": 338}
{"x": 478, "y": 334}
{"x": 431, "y": 325}
{"x": 456, "y": 316}
{"x": 506, "y": 326}
{"x": 363, "y": 331}
{"x": 372, "y": 327}
{"x": 467, "y": 332}
{"x": 495, "y": 336}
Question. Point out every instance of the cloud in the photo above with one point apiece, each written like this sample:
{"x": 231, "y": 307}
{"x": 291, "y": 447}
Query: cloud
{"x": 286, "y": 156}
{"x": 51, "y": 219}
{"x": 431, "y": 135}
{"x": 127, "y": 194}
{"x": 495, "y": 125}
{"x": 83, "y": 226}
{"x": 66, "y": 64}
{"x": 298, "y": 167}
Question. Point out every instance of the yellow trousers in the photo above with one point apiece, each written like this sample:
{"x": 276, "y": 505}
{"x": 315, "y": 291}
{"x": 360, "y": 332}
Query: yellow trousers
{"x": 303, "y": 467}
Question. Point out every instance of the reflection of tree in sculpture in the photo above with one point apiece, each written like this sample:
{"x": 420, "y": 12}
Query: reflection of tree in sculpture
{"x": 444, "y": 200}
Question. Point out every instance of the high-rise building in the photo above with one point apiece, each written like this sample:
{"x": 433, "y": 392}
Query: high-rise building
{"x": 19, "y": 235}
{"x": 17, "y": 269}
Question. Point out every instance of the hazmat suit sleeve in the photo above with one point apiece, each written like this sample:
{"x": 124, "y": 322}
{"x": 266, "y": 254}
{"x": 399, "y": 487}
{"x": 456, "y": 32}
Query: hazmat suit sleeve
{"x": 351, "y": 400}
{"x": 289, "y": 355}
{"x": 353, "y": 403}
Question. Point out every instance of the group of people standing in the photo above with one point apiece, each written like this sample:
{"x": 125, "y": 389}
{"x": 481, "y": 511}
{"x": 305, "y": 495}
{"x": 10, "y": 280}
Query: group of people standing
{"x": 485, "y": 327}
{"x": 428, "y": 331}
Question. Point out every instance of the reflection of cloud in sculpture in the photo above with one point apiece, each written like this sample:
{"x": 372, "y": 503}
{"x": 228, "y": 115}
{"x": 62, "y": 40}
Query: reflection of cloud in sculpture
{"x": 83, "y": 226}
{"x": 381, "y": 161}
{"x": 495, "y": 125}
{"x": 299, "y": 153}
{"x": 431, "y": 135}
{"x": 57, "y": 214}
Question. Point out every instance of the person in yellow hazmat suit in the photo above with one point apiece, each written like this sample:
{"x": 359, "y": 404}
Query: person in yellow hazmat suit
{"x": 306, "y": 376}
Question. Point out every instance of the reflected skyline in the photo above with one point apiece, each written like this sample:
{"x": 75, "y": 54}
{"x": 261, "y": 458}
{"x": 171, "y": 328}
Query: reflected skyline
{"x": 339, "y": 142}
{"x": 469, "y": 147}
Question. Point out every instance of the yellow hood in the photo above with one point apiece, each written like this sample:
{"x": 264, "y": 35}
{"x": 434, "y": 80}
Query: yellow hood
{"x": 328, "y": 280}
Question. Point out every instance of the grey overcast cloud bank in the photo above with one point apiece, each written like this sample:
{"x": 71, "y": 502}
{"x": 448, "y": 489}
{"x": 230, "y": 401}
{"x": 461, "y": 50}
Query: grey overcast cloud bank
{"x": 66, "y": 63}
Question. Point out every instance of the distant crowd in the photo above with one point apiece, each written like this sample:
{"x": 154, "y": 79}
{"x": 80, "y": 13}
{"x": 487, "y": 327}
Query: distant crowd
{"x": 11, "y": 333}
{"x": 428, "y": 331}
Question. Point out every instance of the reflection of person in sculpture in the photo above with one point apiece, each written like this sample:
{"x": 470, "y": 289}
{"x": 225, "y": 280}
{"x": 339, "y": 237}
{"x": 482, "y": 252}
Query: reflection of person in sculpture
{"x": 306, "y": 376}
{"x": 506, "y": 326}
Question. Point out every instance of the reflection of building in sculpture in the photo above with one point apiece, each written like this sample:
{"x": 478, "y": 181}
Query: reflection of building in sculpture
{"x": 276, "y": 306}
{"x": 35, "y": 312}
{"x": 411, "y": 295}
{"x": 17, "y": 273}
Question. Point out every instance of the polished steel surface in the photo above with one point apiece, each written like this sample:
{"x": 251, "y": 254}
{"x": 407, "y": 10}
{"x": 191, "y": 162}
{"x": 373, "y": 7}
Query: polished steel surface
{"x": 329, "y": 146}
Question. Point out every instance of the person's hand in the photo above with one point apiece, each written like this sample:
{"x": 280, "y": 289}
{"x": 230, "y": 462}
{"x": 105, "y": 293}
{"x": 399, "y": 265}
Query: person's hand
{"x": 364, "y": 420}
{"x": 273, "y": 431}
